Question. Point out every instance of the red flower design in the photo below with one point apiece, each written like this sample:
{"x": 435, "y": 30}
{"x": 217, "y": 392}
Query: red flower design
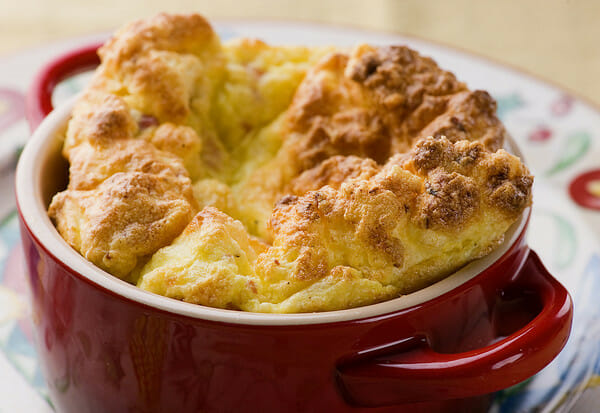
{"x": 585, "y": 189}
{"x": 541, "y": 134}
{"x": 562, "y": 106}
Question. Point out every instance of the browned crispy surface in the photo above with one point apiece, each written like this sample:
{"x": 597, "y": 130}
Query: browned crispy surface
{"x": 129, "y": 192}
{"x": 333, "y": 172}
{"x": 99, "y": 118}
{"x": 319, "y": 179}
{"x": 141, "y": 60}
{"x": 440, "y": 187}
{"x": 377, "y": 101}
{"x": 126, "y": 218}
{"x": 372, "y": 103}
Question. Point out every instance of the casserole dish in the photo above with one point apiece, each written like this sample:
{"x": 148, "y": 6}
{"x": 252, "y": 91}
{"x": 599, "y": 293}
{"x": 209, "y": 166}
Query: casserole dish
{"x": 106, "y": 345}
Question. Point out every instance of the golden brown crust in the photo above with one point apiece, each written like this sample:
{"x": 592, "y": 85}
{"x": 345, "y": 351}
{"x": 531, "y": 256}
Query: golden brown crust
{"x": 443, "y": 198}
{"x": 91, "y": 165}
{"x": 502, "y": 180}
{"x": 378, "y": 101}
{"x": 183, "y": 142}
{"x": 126, "y": 218}
{"x": 508, "y": 189}
{"x": 189, "y": 33}
{"x": 99, "y": 118}
{"x": 331, "y": 116}
{"x": 333, "y": 172}
{"x": 355, "y": 176}
{"x": 471, "y": 116}
{"x": 160, "y": 64}
{"x": 392, "y": 216}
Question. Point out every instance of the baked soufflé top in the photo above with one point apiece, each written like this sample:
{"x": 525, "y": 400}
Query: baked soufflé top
{"x": 283, "y": 179}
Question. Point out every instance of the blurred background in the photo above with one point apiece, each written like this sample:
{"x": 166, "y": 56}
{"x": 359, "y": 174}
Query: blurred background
{"x": 557, "y": 40}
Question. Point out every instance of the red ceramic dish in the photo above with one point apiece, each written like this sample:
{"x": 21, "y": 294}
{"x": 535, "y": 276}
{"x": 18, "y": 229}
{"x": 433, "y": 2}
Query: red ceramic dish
{"x": 106, "y": 345}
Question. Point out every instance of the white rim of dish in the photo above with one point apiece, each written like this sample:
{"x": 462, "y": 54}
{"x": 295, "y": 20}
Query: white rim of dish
{"x": 33, "y": 211}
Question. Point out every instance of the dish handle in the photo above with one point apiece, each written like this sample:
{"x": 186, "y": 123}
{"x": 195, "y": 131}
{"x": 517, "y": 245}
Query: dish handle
{"x": 422, "y": 374}
{"x": 38, "y": 102}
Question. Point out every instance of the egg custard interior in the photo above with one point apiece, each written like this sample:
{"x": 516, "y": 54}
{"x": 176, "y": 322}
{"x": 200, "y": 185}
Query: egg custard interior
{"x": 288, "y": 179}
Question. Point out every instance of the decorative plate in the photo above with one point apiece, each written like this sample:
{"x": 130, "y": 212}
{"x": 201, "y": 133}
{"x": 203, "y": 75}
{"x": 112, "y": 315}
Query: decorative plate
{"x": 558, "y": 133}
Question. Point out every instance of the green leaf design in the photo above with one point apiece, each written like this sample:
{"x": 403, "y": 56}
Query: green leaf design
{"x": 508, "y": 103}
{"x": 62, "y": 383}
{"x": 566, "y": 242}
{"x": 72, "y": 85}
{"x": 502, "y": 395}
{"x": 575, "y": 146}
